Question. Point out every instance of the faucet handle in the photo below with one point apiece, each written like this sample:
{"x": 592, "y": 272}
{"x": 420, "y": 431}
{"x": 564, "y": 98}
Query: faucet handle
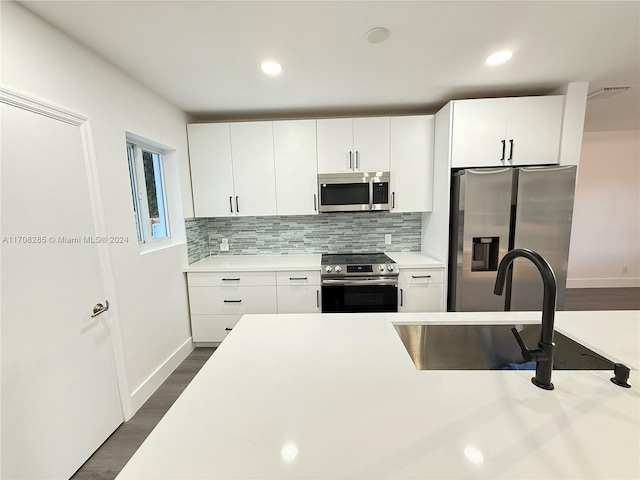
{"x": 526, "y": 353}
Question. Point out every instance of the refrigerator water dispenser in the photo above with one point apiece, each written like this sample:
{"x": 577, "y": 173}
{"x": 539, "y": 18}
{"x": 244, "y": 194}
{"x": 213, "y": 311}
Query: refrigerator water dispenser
{"x": 485, "y": 254}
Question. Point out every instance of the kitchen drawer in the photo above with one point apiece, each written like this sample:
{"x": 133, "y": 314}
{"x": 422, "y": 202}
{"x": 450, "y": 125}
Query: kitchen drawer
{"x": 224, "y": 279}
{"x": 412, "y": 276}
{"x": 307, "y": 277}
{"x": 232, "y": 300}
{"x": 212, "y": 328}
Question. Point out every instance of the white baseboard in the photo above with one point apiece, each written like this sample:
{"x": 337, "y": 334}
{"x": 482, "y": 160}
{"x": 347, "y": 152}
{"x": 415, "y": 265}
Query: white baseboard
{"x": 603, "y": 282}
{"x": 151, "y": 384}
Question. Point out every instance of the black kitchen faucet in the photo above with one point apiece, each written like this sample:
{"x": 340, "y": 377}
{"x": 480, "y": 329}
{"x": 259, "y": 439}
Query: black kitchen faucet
{"x": 543, "y": 355}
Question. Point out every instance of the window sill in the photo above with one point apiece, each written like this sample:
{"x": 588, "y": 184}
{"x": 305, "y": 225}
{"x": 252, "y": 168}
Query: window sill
{"x": 146, "y": 248}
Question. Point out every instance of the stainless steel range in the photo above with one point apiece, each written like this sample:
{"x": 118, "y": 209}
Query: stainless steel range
{"x": 359, "y": 282}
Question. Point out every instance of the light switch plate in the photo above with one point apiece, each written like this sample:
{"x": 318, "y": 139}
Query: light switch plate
{"x": 387, "y": 239}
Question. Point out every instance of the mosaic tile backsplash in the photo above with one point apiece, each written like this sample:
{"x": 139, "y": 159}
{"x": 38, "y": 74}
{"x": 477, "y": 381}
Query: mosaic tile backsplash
{"x": 300, "y": 234}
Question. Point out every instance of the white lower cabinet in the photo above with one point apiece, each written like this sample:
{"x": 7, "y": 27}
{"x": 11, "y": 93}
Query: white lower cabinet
{"x": 299, "y": 292}
{"x": 218, "y": 300}
{"x": 421, "y": 290}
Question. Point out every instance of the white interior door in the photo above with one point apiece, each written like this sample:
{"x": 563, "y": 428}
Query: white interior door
{"x": 60, "y": 397}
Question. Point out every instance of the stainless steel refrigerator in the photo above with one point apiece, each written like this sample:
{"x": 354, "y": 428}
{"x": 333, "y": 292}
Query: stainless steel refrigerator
{"x": 494, "y": 210}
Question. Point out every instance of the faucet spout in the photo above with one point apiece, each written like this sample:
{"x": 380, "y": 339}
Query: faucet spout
{"x": 543, "y": 355}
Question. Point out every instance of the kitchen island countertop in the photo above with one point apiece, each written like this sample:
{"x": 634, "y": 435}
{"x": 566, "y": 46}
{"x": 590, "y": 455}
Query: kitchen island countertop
{"x": 337, "y": 396}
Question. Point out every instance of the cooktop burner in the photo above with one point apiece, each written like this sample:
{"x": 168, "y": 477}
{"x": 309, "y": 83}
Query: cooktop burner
{"x": 358, "y": 264}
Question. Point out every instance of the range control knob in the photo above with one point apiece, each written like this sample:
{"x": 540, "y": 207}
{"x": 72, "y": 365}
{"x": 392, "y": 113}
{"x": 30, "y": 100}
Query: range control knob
{"x": 390, "y": 268}
{"x": 381, "y": 268}
{"x": 328, "y": 269}
{"x": 338, "y": 269}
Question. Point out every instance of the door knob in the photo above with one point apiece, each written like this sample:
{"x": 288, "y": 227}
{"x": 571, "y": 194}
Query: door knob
{"x": 98, "y": 308}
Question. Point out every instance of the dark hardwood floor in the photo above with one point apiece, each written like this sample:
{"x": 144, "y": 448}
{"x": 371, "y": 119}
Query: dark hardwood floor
{"x": 602, "y": 299}
{"x": 115, "y": 452}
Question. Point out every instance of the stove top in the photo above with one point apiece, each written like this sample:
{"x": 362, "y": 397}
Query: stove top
{"x": 362, "y": 264}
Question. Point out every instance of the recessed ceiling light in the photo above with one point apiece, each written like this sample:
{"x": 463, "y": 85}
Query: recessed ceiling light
{"x": 377, "y": 35}
{"x": 271, "y": 68}
{"x": 499, "y": 57}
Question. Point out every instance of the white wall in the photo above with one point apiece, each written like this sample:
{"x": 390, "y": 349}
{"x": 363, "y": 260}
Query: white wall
{"x": 40, "y": 61}
{"x": 605, "y": 236}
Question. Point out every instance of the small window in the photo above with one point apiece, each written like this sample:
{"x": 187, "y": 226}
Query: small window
{"x": 149, "y": 199}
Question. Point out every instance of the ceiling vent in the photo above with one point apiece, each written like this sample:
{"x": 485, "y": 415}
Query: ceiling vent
{"x": 607, "y": 92}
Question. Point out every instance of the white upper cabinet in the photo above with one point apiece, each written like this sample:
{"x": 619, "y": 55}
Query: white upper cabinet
{"x": 253, "y": 168}
{"x": 211, "y": 169}
{"x": 412, "y": 163}
{"x": 232, "y": 169}
{"x": 296, "y": 168}
{"x": 496, "y": 132}
{"x": 353, "y": 145}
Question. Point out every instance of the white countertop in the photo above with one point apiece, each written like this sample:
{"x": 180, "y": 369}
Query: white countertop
{"x": 244, "y": 263}
{"x": 256, "y": 263}
{"x": 337, "y": 396}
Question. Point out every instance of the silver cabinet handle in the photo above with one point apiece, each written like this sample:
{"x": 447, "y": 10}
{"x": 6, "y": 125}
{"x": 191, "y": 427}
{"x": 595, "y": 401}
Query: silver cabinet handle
{"x": 357, "y": 159}
{"x": 232, "y": 301}
{"x": 231, "y": 204}
{"x": 237, "y": 207}
{"x": 98, "y": 308}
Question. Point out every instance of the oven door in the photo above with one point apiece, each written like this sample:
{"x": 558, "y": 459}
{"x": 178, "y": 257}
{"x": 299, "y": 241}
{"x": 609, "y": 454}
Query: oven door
{"x": 358, "y": 294}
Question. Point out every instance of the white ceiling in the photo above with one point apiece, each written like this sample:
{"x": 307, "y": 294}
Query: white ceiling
{"x": 205, "y": 56}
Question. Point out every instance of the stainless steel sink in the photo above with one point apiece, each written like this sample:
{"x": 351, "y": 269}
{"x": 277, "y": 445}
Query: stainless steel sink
{"x": 488, "y": 347}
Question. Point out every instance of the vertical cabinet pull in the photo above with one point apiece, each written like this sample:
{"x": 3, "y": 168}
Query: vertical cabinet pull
{"x": 318, "y": 298}
{"x": 401, "y": 298}
{"x": 510, "y": 149}
{"x": 393, "y": 199}
{"x": 315, "y": 202}
{"x": 237, "y": 207}
{"x": 357, "y": 159}
{"x": 231, "y": 204}
{"x": 350, "y": 160}
{"x": 504, "y": 148}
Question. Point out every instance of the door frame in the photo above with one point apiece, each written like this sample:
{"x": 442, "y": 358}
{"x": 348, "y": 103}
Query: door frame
{"x": 41, "y": 107}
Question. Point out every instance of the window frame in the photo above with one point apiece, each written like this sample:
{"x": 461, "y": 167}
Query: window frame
{"x": 140, "y": 195}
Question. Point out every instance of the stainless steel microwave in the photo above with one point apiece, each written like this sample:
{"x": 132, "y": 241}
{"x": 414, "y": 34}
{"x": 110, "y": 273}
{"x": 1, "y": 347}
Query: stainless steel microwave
{"x": 354, "y": 191}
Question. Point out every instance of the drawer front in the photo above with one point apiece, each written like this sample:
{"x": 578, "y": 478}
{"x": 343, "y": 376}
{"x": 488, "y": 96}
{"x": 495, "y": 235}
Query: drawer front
{"x": 232, "y": 300}
{"x": 212, "y": 328}
{"x": 421, "y": 298}
{"x": 225, "y": 279}
{"x": 299, "y": 299}
{"x": 307, "y": 277}
{"x": 421, "y": 276}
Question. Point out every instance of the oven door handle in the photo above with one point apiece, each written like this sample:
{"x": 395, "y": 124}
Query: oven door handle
{"x": 364, "y": 281}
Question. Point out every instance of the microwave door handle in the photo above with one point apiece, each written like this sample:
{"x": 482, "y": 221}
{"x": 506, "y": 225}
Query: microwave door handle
{"x": 370, "y": 194}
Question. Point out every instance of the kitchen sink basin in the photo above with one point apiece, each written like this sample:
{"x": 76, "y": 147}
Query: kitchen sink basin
{"x": 489, "y": 347}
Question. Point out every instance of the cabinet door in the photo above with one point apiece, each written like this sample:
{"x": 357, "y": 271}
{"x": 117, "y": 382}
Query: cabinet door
{"x": 534, "y": 125}
{"x": 412, "y": 163}
{"x": 335, "y": 145}
{"x": 371, "y": 144}
{"x": 211, "y": 171}
{"x": 299, "y": 299}
{"x": 253, "y": 168}
{"x": 479, "y": 127}
{"x": 421, "y": 298}
{"x": 296, "y": 167}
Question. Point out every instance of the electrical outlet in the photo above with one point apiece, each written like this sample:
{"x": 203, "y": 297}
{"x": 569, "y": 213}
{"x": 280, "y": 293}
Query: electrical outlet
{"x": 387, "y": 239}
{"x": 224, "y": 245}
